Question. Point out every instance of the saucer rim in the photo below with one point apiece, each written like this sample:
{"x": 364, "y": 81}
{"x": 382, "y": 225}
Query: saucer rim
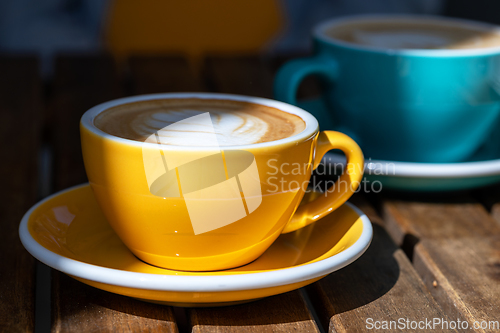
{"x": 428, "y": 170}
{"x": 182, "y": 283}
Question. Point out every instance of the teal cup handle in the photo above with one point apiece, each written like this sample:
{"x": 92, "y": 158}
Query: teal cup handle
{"x": 290, "y": 76}
{"x": 292, "y": 73}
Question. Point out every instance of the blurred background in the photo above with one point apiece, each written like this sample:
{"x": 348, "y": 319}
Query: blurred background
{"x": 193, "y": 28}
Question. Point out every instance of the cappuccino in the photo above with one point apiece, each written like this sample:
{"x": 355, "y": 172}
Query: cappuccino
{"x": 234, "y": 123}
{"x": 415, "y": 34}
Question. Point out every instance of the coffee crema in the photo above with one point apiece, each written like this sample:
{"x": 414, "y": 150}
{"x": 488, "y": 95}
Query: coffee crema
{"x": 234, "y": 122}
{"x": 413, "y": 34}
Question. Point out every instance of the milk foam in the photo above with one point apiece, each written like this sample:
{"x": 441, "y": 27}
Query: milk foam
{"x": 173, "y": 122}
{"x": 230, "y": 129}
{"x": 400, "y": 39}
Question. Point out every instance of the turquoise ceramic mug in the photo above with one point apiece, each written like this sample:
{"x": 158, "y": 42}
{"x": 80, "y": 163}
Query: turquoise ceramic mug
{"x": 402, "y": 94}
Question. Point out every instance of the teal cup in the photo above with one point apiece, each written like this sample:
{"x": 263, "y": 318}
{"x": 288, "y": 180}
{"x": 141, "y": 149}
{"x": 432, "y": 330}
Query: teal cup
{"x": 402, "y": 104}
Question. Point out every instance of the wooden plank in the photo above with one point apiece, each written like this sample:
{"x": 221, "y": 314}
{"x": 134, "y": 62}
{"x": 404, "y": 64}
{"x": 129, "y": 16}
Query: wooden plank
{"x": 157, "y": 74}
{"x": 86, "y": 309}
{"x": 80, "y": 83}
{"x": 282, "y": 313}
{"x": 380, "y": 286}
{"x": 456, "y": 251}
{"x": 20, "y": 129}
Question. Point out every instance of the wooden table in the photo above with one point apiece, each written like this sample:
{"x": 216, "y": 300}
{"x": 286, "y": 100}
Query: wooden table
{"x": 432, "y": 256}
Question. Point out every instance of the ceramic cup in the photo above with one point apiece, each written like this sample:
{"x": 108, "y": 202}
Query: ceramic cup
{"x": 212, "y": 224}
{"x": 416, "y": 105}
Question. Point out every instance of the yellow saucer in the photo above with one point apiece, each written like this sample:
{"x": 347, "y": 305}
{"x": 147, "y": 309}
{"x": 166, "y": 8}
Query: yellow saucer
{"x": 68, "y": 232}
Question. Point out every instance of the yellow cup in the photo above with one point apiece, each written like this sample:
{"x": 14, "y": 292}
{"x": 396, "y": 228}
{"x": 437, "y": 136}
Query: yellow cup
{"x": 211, "y": 208}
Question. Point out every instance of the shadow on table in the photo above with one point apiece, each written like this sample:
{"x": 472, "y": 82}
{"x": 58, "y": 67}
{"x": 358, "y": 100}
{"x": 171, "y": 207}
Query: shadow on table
{"x": 364, "y": 281}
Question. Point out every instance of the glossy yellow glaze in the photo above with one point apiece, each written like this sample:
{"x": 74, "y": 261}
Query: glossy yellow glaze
{"x": 158, "y": 229}
{"x": 72, "y": 225}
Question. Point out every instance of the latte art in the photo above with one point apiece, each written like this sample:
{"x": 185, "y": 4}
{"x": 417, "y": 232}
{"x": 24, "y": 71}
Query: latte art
{"x": 234, "y": 123}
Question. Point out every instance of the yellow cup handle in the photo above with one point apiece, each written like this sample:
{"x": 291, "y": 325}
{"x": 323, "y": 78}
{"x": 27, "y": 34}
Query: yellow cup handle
{"x": 353, "y": 173}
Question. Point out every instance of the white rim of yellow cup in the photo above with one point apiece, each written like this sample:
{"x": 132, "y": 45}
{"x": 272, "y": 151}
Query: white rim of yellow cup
{"x": 310, "y": 130}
